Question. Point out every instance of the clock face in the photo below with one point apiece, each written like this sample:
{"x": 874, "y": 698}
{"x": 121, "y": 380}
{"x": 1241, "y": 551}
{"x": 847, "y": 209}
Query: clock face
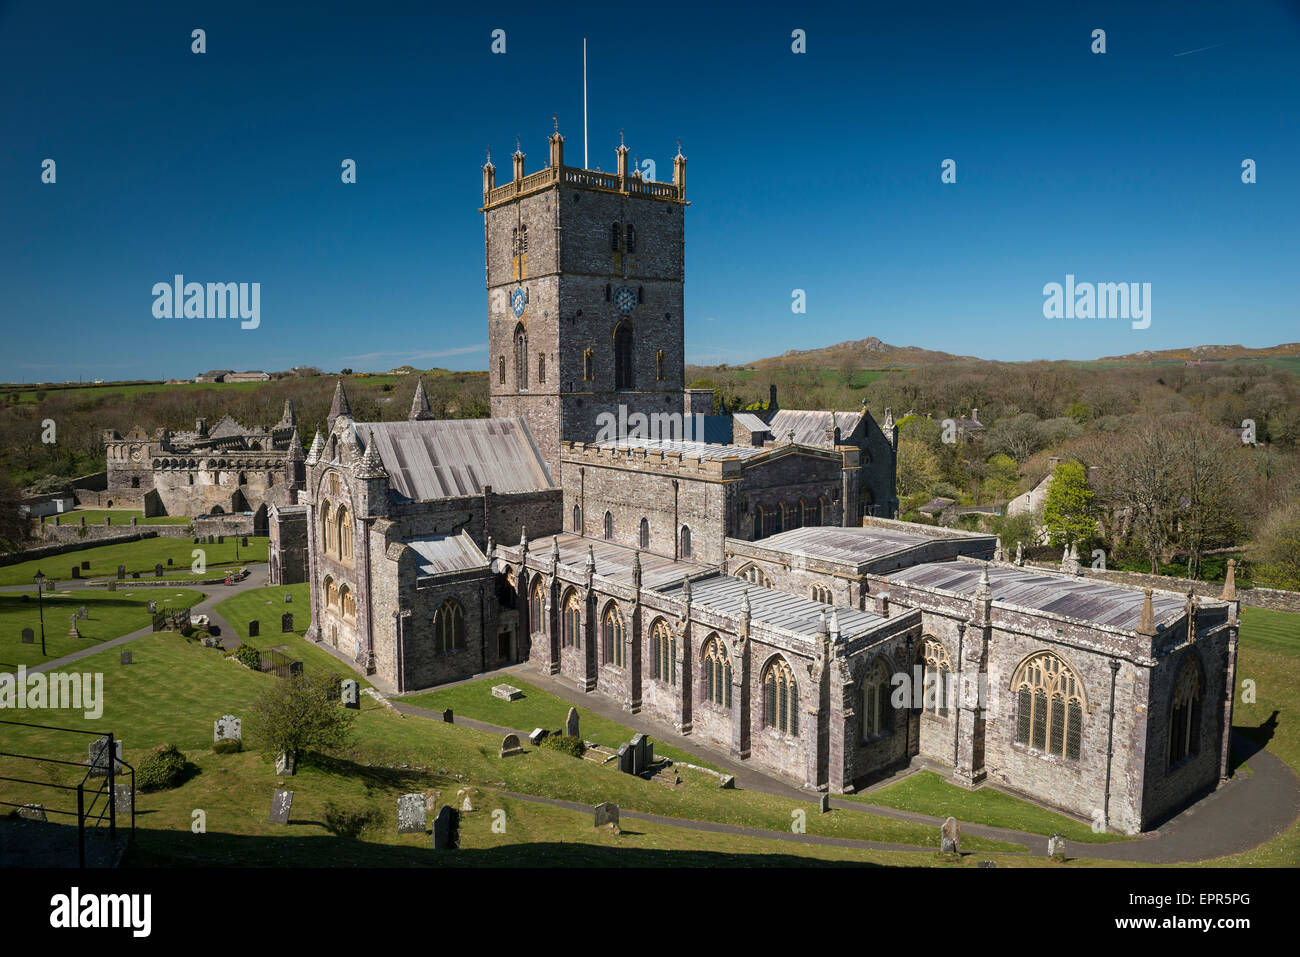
{"x": 624, "y": 300}
{"x": 135, "y": 454}
{"x": 517, "y": 301}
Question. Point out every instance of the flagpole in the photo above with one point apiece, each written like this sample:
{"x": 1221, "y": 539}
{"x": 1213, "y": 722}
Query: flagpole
{"x": 584, "y": 103}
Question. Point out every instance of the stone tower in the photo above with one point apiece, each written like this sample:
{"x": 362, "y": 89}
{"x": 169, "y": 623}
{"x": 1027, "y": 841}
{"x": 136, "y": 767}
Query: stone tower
{"x": 585, "y": 274}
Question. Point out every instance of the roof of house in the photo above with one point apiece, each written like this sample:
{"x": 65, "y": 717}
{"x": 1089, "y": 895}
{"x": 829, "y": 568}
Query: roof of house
{"x": 810, "y": 426}
{"x": 1069, "y": 596}
{"x": 613, "y": 561}
{"x": 750, "y": 422}
{"x": 703, "y": 450}
{"x": 793, "y": 613}
{"x": 450, "y": 458}
{"x": 439, "y": 554}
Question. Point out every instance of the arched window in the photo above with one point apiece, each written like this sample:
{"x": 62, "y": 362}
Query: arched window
{"x": 501, "y": 370}
{"x": 686, "y": 542}
{"x": 325, "y": 526}
{"x": 347, "y": 602}
{"x": 537, "y": 608}
{"x": 821, "y": 511}
{"x": 449, "y": 626}
{"x": 778, "y": 519}
{"x": 611, "y": 638}
{"x": 541, "y": 367}
{"x": 523, "y": 239}
{"x": 521, "y": 357}
{"x": 1049, "y": 706}
{"x": 624, "y": 377}
{"x": 822, "y": 594}
{"x": 780, "y": 698}
{"x": 331, "y": 593}
{"x": 631, "y": 238}
{"x": 1185, "y": 714}
{"x": 588, "y": 365}
{"x": 659, "y": 366}
{"x": 663, "y": 652}
{"x": 243, "y": 479}
{"x": 577, "y": 519}
{"x": 608, "y": 527}
{"x": 643, "y": 533}
{"x": 614, "y": 237}
{"x": 877, "y": 710}
{"x": 796, "y": 515}
{"x": 937, "y": 684}
{"x": 345, "y": 534}
{"x": 717, "y": 673}
{"x": 758, "y": 523}
{"x": 754, "y": 575}
{"x": 571, "y": 624}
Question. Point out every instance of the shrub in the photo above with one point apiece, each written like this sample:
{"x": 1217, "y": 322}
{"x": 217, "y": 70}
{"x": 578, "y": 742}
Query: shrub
{"x": 248, "y": 656}
{"x": 161, "y": 769}
{"x": 346, "y": 821}
{"x": 565, "y": 744}
{"x": 228, "y": 746}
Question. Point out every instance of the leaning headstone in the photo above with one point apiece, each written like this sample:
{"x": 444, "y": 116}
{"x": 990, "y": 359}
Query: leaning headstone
{"x": 281, "y": 805}
{"x": 625, "y": 758}
{"x": 97, "y": 756}
{"x": 950, "y": 837}
{"x": 411, "y": 814}
{"x": 284, "y": 763}
{"x": 510, "y": 746}
{"x": 121, "y": 572}
{"x": 1056, "y": 845}
{"x": 29, "y": 636}
{"x": 350, "y": 695}
{"x": 446, "y": 828}
{"x": 637, "y": 745}
{"x": 727, "y": 781}
{"x": 125, "y": 657}
{"x": 605, "y": 813}
{"x": 32, "y": 812}
{"x": 536, "y": 736}
{"x": 825, "y": 804}
{"x": 571, "y": 723}
{"x": 286, "y": 621}
{"x": 506, "y": 692}
{"x": 254, "y": 628}
{"x": 227, "y": 727}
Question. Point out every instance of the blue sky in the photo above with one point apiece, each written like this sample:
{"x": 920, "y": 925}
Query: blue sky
{"x": 818, "y": 171}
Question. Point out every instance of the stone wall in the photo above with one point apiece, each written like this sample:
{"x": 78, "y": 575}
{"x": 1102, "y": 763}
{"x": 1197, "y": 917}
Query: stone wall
{"x": 105, "y": 534}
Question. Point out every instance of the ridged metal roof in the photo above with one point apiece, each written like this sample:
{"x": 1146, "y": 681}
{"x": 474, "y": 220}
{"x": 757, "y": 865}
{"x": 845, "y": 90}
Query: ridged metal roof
{"x": 1080, "y": 598}
{"x": 449, "y": 458}
{"x": 446, "y": 553}
{"x": 703, "y": 450}
{"x": 748, "y": 420}
{"x": 794, "y": 613}
{"x": 615, "y": 561}
{"x": 810, "y": 427}
{"x": 856, "y": 545}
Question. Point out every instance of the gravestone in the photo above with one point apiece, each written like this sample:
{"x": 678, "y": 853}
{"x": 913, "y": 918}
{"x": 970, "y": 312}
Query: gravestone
{"x": 825, "y": 806}
{"x": 85, "y": 566}
{"x": 169, "y": 562}
{"x": 446, "y": 829}
{"x": 108, "y": 520}
{"x": 950, "y": 837}
{"x": 571, "y": 724}
{"x": 510, "y": 746}
{"x": 158, "y": 570}
{"x": 72, "y": 627}
{"x": 211, "y": 539}
{"x": 286, "y": 622}
{"x": 121, "y": 572}
{"x": 134, "y": 521}
{"x": 536, "y": 736}
{"x": 281, "y": 805}
{"x": 244, "y": 541}
{"x": 605, "y": 813}
{"x": 465, "y": 799}
{"x": 625, "y": 758}
{"x": 135, "y": 574}
{"x": 221, "y": 539}
{"x": 76, "y": 571}
{"x": 350, "y": 694}
{"x": 196, "y": 541}
{"x": 295, "y": 668}
{"x": 284, "y": 763}
{"x": 254, "y": 628}
{"x": 153, "y": 606}
{"x": 637, "y": 746}
{"x": 288, "y": 597}
{"x": 506, "y": 692}
{"x": 411, "y": 814}
{"x": 227, "y": 728}
{"x": 122, "y": 801}
{"x": 727, "y": 781}
{"x": 32, "y": 812}
{"x": 987, "y": 864}
{"x": 125, "y": 657}
{"x": 112, "y": 586}
{"x": 97, "y": 757}
{"x": 1056, "y": 845}
{"x": 448, "y": 717}
{"x": 29, "y": 636}
{"x": 83, "y": 613}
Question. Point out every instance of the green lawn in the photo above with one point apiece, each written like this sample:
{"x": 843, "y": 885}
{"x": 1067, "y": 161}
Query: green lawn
{"x": 927, "y": 793}
{"x": 141, "y": 556}
{"x": 266, "y": 605}
{"x": 111, "y": 615}
{"x": 536, "y": 709}
{"x": 175, "y": 689}
{"x": 116, "y": 516}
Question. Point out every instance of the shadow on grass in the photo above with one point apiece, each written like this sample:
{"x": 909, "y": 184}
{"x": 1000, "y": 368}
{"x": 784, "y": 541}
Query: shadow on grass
{"x": 1247, "y": 741}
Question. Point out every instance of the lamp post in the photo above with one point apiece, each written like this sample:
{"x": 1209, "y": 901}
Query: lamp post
{"x": 40, "y": 604}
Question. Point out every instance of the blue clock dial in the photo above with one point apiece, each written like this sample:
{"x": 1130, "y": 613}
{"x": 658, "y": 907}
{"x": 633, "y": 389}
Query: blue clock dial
{"x": 517, "y": 301}
{"x": 624, "y": 300}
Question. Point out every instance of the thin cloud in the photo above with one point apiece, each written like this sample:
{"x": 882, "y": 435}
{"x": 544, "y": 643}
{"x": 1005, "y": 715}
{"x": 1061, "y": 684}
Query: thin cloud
{"x": 1199, "y": 50}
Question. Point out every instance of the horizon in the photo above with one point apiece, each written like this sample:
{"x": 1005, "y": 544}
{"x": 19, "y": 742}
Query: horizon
{"x": 821, "y": 172}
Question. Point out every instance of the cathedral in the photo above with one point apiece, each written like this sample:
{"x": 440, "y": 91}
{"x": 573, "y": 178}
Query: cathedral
{"x": 750, "y": 586}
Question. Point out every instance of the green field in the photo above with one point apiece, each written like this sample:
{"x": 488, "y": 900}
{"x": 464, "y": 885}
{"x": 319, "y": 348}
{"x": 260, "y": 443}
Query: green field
{"x": 536, "y": 709}
{"x": 110, "y": 616}
{"x": 141, "y": 556}
{"x": 115, "y": 516}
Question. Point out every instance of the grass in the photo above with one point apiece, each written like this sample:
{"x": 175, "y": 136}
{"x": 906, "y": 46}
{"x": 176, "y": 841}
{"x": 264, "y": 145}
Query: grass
{"x": 927, "y": 793}
{"x": 141, "y": 556}
{"x": 116, "y": 516}
{"x": 266, "y": 605}
{"x": 176, "y": 689}
{"x": 536, "y": 709}
{"x": 111, "y": 615}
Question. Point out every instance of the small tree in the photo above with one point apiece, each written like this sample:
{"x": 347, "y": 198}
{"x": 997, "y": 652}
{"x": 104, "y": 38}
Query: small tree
{"x": 1278, "y": 559}
{"x": 302, "y": 713}
{"x": 1068, "y": 512}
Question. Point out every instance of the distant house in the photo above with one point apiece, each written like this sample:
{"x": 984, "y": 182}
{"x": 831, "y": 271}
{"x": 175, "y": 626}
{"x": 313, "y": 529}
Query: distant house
{"x": 213, "y": 375}
{"x": 251, "y": 376}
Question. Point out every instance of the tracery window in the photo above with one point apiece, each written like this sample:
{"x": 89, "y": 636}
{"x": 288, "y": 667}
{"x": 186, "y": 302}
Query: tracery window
{"x": 631, "y": 238}
{"x": 611, "y": 638}
{"x": 780, "y": 698}
{"x": 717, "y": 673}
{"x": 937, "y": 685}
{"x": 663, "y": 652}
{"x": 1185, "y": 714}
{"x": 577, "y": 519}
{"x": 686, "y": 542}
{"x": 1049, "y": 706}
{"x": 643, "y": 534}
{"x": 754, "y": 575}
{"x": 347, "y": 602}
{"x": 614, "y": 237}
{"x": 877, "y": 709}
{"x": 822, "y": 594}
{"x": 344, "y": 534}
{"x": 331, "y": 593}
{"x": 537, "y": 608}
{"x": 608, "y": 528}
{"x": 521, "y": 357}
{"x": 450, "y": 626}
{"x": 571, "y": 624}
